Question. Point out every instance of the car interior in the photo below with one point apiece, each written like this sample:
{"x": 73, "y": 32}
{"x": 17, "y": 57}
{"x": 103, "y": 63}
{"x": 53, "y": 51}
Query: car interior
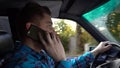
{"x": 63, "y": 9}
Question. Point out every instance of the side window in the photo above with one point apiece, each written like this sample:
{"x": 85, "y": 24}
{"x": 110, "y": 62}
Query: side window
{"x": 75, "y": 39}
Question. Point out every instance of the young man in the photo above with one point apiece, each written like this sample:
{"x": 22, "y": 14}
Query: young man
{"x": 50, "y": 54}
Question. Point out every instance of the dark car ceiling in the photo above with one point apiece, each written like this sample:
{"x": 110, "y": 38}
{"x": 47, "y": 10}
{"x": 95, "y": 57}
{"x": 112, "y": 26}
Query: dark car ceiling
{"x": 75, "y": 7}
{"x": 6, "y": 5}
{"x": 79, "y": 7}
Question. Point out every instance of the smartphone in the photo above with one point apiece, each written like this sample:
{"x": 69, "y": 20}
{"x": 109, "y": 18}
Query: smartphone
{"x": 33, "y": 33}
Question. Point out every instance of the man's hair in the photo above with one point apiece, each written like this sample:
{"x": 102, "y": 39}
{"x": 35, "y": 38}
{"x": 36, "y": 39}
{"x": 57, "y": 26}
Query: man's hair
{"x": 30, "y": 13}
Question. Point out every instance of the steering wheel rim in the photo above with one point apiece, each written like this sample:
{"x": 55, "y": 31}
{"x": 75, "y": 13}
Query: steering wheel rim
{"x": 115, "y": 46}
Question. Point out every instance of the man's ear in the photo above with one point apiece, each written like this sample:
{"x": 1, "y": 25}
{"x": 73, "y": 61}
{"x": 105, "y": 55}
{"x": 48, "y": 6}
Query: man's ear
{"x": 28, "y": 25}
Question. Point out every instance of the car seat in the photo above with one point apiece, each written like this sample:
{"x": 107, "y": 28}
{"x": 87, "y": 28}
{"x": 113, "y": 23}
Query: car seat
{"x": 6, "y": 42}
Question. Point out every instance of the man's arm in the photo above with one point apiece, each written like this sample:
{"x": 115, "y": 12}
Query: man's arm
{"x": 88, "y": 57}
{"x": 55, "y": 49}
{"x": 82, "y": 61}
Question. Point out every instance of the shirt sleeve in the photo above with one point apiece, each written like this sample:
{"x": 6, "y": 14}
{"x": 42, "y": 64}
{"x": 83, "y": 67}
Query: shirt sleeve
{"x": 29, "y": 64}
{"x": 38, "y": 64}
{"x": 81, "y": 61}
{"x": 64, "y": 64}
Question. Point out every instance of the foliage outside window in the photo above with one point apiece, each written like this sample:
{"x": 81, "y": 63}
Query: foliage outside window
{"x": 66, "y": 31}
{"x": 113, "y": 24}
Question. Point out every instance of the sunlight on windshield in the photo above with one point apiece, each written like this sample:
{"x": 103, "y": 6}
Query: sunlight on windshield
{"x": 101, "y": 26}
{"x": 102, "y": 10}
{"x": 106, "y": 19}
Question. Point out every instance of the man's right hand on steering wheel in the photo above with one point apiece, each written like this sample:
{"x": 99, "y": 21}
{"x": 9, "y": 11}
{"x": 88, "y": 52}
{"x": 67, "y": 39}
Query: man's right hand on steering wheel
{"x": 102, "y": 47}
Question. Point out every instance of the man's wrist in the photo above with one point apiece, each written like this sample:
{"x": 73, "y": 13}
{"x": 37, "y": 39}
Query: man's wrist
{"x": 62, "y": 59}
{"x": 94, "y": 52}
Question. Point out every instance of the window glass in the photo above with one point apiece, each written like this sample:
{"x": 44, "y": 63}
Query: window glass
{"x": 106, "y": 19}
{"x": 74, "y": 38}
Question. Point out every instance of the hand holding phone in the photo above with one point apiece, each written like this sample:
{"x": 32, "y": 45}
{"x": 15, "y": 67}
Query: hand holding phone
{"x": 33, "y": 33}
{"x": 53, "y": 47}
{"x": 50, "y": 41}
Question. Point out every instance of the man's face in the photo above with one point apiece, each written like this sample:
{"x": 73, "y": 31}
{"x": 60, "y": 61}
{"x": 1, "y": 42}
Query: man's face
{"x": 46, "y": 23}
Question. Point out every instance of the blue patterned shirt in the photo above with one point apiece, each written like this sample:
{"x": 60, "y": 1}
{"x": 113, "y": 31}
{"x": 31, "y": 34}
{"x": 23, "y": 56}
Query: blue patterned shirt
{"x": 25, "y": 57}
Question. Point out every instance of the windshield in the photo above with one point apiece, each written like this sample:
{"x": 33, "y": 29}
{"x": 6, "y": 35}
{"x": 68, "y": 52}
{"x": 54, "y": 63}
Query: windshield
{"x": 106, "y": 19}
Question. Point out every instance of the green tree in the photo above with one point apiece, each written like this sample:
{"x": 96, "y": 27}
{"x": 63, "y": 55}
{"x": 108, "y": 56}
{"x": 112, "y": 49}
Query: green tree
{"x": 83, "y": 37}
{"x": 65, "y": 32}
{"x": 113, "y": 24}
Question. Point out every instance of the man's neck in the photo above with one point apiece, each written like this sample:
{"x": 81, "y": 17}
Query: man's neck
{"x": 33, "y": 45}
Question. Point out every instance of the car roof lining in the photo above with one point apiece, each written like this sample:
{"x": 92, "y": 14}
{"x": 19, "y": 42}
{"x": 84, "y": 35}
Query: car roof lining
{"x": 10, "y": 5}
{"x": 75, "y": 7}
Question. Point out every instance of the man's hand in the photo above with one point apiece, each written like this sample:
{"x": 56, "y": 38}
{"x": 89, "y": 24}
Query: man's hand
{"x": 102, "y": 47}
{"x": 53, "y": 46}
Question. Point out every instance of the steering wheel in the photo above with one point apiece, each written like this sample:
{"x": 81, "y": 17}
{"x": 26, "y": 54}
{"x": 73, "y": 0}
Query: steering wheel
{"x": 112, "y": 52}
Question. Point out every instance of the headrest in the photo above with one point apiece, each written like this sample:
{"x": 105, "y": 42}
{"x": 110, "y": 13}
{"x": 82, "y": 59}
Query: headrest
{"x": 6, "y": 43}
